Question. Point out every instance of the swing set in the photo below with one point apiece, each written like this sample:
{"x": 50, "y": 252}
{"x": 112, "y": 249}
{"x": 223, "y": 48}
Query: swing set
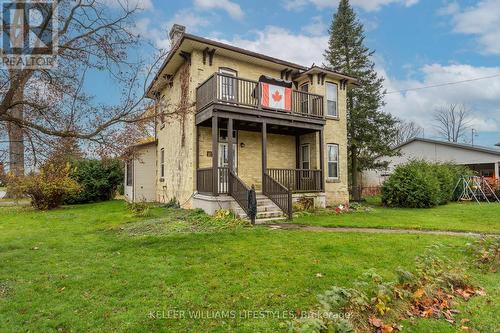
{"x": 475, "y": 188}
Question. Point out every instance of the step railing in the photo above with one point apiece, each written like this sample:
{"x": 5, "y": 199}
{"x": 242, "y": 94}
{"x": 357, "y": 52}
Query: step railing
{"x": 239, "y": 191}
{"x": 278, "y": 193}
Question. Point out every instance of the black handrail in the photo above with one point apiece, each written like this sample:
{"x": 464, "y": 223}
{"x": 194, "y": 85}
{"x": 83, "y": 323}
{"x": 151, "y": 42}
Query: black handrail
{"x": 278, "y": 194}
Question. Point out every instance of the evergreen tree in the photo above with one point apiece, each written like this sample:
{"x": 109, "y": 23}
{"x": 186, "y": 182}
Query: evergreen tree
{"x": 369, "y": 130}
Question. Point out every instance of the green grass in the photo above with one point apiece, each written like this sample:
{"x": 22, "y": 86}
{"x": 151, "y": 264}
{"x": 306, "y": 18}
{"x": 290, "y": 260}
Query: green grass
{"x": 78, "y": 269}
{"x": 484, "y": 218}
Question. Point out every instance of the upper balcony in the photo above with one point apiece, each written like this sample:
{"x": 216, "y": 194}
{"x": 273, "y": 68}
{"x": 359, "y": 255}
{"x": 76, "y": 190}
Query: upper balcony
{"x": 227, "y": 90}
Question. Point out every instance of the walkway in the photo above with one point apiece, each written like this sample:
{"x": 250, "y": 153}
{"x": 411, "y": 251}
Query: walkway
{"x": 291, "y": 226}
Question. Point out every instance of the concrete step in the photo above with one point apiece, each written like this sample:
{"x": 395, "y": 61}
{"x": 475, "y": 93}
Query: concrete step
{"x": 269, "y": 220}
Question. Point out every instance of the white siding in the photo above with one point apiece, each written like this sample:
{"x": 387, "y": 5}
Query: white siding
{"x": 144, "y": 176}
{"x": 432, "y": 152}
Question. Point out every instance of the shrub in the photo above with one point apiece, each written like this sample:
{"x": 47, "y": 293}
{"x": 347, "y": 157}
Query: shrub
{"x": 420, "y": 184}
{"x": 413, "y": 185}
{"x": 138, "y": 209}
{"x": 47, "y": 188}
{"x": 99, "y": 180}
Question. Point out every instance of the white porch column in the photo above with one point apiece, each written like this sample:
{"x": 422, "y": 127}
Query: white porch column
{"x": 497, "y": 172}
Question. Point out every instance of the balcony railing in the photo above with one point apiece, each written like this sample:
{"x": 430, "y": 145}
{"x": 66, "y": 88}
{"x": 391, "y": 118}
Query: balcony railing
{"x": 220, "y": 88}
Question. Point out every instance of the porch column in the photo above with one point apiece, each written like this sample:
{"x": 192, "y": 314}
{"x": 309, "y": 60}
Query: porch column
{"x": 497, "y": 171}
{"x": 229, "y": 151}
{"x": 264, "y": 151}
{"x": 322, "y": 159}
{"x": 215, "y": 151}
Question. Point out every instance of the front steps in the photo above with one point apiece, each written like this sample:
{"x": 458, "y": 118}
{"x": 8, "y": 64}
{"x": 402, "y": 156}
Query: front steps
{"x": 267, "y": 211}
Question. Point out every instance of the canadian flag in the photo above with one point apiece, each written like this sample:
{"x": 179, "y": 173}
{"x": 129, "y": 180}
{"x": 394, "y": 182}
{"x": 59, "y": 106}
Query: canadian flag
{"x": 276, "y": 97}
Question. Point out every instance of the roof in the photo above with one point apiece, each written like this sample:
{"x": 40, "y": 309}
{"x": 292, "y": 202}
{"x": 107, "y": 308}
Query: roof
{"x": 144, "y": 143}
{"x": 205, "y": 41}
{"x": 316, "y": 69}
{"x": 483, "y": 149}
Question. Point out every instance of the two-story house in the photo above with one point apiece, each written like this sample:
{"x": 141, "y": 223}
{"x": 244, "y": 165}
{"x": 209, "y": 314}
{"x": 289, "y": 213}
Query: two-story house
{"x": 234, "y": 118}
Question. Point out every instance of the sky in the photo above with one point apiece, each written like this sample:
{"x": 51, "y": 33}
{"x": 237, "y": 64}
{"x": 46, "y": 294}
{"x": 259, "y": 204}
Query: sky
{"x": 417, "y": 43}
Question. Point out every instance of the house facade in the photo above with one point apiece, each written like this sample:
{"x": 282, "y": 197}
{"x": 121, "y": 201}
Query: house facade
{"x": 230, "y": 119}
{"x": 483, "y": 160}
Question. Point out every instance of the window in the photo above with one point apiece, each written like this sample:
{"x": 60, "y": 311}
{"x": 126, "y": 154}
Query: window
{"x": 162, "y": 162}
{"x": 304, "y": 99}
{"x": 333, "y": 161}
{"x": 223, "y": 135}
{"x": 130, "y": 172}
{"x": 227, "y": 84}
{"x": 305, "y": 156}
{"x": 331, "y": 99}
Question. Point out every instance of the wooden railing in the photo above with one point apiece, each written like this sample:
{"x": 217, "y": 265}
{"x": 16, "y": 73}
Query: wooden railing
{"x": 220, "y": 88}
{"x": 307, "y": 104}
{"x": 298, "y": 180}
{"x": 278, "y": 194}
{"x": 205, "y": 180}
{"x": 239, "y": 191}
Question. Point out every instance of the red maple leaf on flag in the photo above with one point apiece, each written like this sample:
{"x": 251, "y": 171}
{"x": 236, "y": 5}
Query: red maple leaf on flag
{"x": 277, "y": 96}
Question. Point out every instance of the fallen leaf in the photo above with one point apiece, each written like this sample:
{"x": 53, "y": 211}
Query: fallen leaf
{"x": 387, "y": 329}
{"x": 375, "y": 322}
{"x": 319, "y": 275}
{"x": 419, "y": 293}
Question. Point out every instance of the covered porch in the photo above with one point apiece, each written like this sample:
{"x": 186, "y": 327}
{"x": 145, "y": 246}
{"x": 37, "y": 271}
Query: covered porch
{"x": 279, "y": 157}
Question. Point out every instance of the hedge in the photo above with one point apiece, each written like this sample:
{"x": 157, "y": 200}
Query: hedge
{"x": 99, "y": 180}
{"x": 420, "y": 184}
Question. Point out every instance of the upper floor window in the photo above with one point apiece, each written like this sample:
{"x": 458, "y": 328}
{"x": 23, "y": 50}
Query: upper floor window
{"x": 331, "y": 99}
{"x": 333, "y": 160}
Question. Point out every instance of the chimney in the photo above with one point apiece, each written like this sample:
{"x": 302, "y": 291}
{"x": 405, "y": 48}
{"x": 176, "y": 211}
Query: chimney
{"x": 176, "y": 33}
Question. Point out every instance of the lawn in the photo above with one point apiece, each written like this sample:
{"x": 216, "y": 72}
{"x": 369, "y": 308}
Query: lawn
{"x": 76, "y": 269}
{"x": 483, "y": 218}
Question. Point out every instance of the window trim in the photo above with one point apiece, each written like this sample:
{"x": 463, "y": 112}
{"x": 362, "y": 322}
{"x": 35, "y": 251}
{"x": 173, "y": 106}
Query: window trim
{"x": 162, "y": 162}
{"x": 328, "y": 161}
{"x": 337, "y": 116}
{"x": 129, "y": 175}
{"x": 301, "y": 157}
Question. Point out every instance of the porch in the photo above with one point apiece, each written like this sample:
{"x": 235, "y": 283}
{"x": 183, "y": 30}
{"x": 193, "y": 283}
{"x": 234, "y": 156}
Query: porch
{"x": 280, "y": 158}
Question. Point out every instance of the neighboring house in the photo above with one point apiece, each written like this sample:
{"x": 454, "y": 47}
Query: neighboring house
{"x": 140, "y": 171}
{"x": 242, "y": 119}
{"x": 485, "y": 161}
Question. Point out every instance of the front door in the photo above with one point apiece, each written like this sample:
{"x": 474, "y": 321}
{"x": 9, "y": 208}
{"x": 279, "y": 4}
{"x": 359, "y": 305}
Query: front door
{"x": 223, "y": 174}
{"x": 223, "y": 155}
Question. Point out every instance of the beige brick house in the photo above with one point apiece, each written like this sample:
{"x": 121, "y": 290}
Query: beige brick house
{"x": 235, "y": 118}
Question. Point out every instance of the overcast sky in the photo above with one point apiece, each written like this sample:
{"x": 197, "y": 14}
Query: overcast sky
{"x": 418, "y": 43}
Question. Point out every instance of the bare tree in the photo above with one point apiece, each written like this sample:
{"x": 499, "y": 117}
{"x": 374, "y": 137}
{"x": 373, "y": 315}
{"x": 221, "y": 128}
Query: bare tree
{"x": 452, "y": 121}
{"x": 93, "y": 37}
{"x": 406, "y": 130}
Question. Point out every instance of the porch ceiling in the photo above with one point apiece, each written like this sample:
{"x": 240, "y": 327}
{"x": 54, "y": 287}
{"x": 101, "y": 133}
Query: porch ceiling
{"x": 251, "y": 120}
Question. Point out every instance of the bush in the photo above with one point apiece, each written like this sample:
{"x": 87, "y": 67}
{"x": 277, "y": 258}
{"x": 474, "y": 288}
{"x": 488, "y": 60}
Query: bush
{"x": 138, "y": 209}
{"x": 420, "y": 184}
{"x": 47, "y": 188}
{"x": 99, "y": 180}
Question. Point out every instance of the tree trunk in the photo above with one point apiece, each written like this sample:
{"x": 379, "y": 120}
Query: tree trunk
{"x": 16, "y": 140}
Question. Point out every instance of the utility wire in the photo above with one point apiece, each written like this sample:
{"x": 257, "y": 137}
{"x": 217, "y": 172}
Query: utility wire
{"x": 443, "y": 84}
